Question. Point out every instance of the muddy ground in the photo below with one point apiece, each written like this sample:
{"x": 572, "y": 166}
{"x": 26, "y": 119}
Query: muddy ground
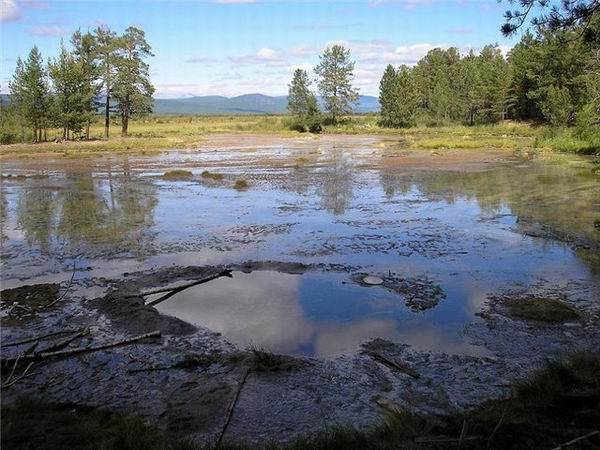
{"x": 192, "y": 382}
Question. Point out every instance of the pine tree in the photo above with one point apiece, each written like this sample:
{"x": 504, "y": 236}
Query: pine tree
{"x": 106, "y": 53}
{"x": 336, "y": 72}
{"x": 387, "y": 96}
{"x": 84, "y": 50}
{"x": 71, "y": 100}
{"x": 302, "y": 103}
{"x": 29, "y": 92}
{"x": 132, "y": 88}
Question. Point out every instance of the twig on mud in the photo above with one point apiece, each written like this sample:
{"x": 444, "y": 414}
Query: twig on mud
{"x": 435, "y": 439}
{"x": 66, "y": 341}
{"x": 231, "y": 407}
{"x": 41, "y": 338}
{"x": 66, "y": 290}
{"x": 23, "y": 375}
{"x": 401, "y": 367}
{"x": 577, "y": 439}
{"x": 175, "y": 290}
{"x": 463, "y": 432}
{"x": 78, "y": 350}
{"x": 496, "y": 428}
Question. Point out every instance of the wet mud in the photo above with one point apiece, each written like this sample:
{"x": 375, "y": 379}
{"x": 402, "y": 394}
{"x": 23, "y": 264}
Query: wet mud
{"x": 294, "y": 336}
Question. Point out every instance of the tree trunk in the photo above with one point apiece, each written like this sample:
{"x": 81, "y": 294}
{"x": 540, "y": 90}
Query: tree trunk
{"x": 87, "y": 131}
{"x": 45, "y": 135}
{"x": 107, "y": 116}
{"x": 64, "y": 132}
{"x": 125, "y": 117}
{"x": 34, "y": 134}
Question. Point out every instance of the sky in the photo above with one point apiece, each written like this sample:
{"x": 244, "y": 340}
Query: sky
{"x": 234, "y": 47}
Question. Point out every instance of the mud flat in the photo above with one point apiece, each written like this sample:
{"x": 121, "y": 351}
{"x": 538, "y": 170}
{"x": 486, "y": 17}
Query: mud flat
{"x": 293, "y": 342}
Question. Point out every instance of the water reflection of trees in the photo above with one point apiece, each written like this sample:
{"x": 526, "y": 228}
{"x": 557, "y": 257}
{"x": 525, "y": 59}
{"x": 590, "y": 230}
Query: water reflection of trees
{"x": 336, "y": 190}
{"x": 84, "y": 212}
{"x": 562, "y": 196}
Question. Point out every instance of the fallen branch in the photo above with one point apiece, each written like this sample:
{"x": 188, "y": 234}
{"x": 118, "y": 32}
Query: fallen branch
{"x": 435, "y": 439}
{"x": 40, "y": 338}
{"x": 75, "y": 351}
{"x": 231, "y": 407}
{"x": 577, "y": 439}
{"x": 66, "y": 290}
{"x": 66, "y": 341}
{"x": 23, "y": 375}
{"x": 399, "y": 366}
{"x": 173, "y": 291}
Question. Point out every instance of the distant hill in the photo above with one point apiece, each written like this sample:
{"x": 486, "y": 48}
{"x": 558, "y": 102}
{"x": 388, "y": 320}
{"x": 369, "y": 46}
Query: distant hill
{"x": 243, "y": 104}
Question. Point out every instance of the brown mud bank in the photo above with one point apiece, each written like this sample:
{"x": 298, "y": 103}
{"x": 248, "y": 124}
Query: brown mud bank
{"x": 191, "y": 382}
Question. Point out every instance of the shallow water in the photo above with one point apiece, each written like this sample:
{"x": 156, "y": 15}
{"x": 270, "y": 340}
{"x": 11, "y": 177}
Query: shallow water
{"x": 469, "y": 231}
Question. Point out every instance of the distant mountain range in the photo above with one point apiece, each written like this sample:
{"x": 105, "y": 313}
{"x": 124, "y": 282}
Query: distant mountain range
{"x": 243, "y": 104}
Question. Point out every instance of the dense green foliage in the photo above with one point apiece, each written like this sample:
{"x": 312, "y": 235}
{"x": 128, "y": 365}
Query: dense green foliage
{"x": 336, "y": 72}
{"x": 66, "y": 93}
{"x": 551, "y": 77}
{"x": 302, "y": 104}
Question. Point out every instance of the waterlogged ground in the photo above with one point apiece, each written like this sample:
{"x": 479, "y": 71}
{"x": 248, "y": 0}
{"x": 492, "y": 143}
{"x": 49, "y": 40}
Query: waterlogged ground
{"x": 463, "y": 224}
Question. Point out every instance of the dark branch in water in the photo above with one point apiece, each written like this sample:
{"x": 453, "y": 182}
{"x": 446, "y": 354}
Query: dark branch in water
{"x": 173, "y": 291}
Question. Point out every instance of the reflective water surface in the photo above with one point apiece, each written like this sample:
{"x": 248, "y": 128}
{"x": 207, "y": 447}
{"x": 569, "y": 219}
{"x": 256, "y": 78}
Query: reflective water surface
{"x": 471, "y": 229}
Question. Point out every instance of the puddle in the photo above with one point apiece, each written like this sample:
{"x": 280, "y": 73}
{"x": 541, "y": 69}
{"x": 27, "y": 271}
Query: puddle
{"x": 314, "y": 314}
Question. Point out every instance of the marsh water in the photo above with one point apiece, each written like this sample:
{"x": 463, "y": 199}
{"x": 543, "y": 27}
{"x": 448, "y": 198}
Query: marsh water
{"x": 470, "y": 227}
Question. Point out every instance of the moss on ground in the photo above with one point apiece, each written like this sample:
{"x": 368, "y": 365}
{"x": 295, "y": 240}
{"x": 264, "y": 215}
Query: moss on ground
{"x": 212, "y": 175}
{"x": 541, "y": 309}
{"x": 178, "y": 175}
{"x": 240, "y": 185}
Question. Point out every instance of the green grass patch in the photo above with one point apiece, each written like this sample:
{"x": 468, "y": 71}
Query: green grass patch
{"x": 178, "y": 174}
{"x": 212, "y": 175}
{"x": 541, "y": 309}
{"x": 241, "y": 185}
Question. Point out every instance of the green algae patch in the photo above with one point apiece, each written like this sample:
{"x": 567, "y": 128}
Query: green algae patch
{"x": 175, "y": 175}
{"x": 212, "y": 175}
{"x": 541, "y": 309}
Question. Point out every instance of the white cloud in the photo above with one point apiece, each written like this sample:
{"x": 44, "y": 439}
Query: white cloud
{"x": 9, "y": 11}
{"x": 47, "y": 31}
{"x": 263, "y": 56}
{"x": 200, "y": 60}
{"x": 233, "y": 2}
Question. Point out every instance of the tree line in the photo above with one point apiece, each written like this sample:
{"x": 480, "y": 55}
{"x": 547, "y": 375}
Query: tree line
{"x": 100, "y": 70}
{"x": 551, "y": 76}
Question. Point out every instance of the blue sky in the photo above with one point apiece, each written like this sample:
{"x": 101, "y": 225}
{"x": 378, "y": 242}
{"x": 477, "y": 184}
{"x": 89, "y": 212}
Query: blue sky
{"x": 232, "y": 47}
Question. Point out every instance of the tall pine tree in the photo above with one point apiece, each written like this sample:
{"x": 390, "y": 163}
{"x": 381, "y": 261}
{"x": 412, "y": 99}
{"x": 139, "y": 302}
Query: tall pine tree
{"x": 132, "y": 87}
{"x": 336, "y": 72}
{"x": 29, "y": 92}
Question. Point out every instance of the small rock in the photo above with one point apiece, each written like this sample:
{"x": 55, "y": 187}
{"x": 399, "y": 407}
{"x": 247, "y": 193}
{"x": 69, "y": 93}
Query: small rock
{"x": 372, "y": 280}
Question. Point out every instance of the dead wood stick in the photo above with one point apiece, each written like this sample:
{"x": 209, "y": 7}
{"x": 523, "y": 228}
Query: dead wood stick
{"x": 78, "y": 350}
{"x": 173, "y": 291}
{"x": 434, "y": 439}
{"x": 222, "y": 273}
{"x": 66, "y": 290}
{"x": 66, "y": 341}
{"x": 577, "y": 439}
{"x": 401, "y": 367}
{"x": 40, "y": 338}
{"x": 231, "y": 407}
{"x": 23, "y": 375}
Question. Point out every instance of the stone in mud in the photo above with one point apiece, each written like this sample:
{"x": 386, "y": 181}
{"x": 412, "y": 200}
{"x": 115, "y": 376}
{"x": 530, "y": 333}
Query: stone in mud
{"x": 372, "y": 280}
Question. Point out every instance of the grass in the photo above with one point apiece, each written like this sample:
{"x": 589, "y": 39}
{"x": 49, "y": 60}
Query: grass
{"x": 541, "y": 309}
{"x": 212, "y": 175}
{"x": 557, "y": 403}
{"x": 241, "y": 185}
{"x": 265, "y": 361}
{"x": 164, "y": 132}
{"x": 178, "y": 174}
